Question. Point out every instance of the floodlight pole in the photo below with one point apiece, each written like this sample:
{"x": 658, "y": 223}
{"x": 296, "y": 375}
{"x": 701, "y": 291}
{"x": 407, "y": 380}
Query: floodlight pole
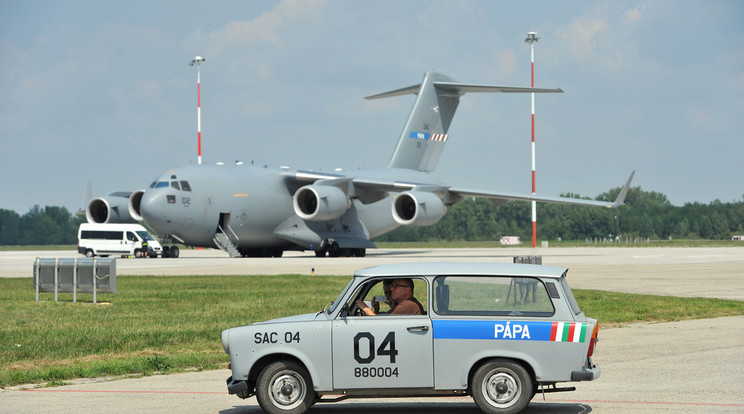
{"x": 531, "y": 39}
{"x": 198, "y": 60}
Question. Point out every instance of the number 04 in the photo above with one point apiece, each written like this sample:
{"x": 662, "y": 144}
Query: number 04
{"x": 387, "y": 347}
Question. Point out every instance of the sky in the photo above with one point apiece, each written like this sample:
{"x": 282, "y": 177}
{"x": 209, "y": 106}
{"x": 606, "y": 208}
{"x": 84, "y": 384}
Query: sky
{"x": 101, "y": 92}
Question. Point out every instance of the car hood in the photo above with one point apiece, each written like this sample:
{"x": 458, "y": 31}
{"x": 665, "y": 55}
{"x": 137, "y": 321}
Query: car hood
{"x": 297, "y": 318}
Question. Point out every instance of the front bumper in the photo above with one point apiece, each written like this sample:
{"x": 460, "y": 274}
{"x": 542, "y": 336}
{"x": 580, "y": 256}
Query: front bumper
{"x": 241, "y": 388}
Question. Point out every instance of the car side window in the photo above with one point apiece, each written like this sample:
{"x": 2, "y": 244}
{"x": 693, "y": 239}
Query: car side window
{"x": 491, "y": 296}
{"x": 374, "y": 290}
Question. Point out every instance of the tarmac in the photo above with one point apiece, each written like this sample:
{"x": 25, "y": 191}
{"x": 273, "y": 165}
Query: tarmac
{"x": 690, "y": 366}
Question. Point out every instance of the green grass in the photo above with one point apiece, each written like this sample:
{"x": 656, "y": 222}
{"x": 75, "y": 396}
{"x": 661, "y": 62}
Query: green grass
{"x": 170, "y": 324}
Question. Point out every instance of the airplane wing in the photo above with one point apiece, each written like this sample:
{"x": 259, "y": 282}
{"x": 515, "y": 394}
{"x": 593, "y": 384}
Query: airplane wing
{"x": 356, "y": 187}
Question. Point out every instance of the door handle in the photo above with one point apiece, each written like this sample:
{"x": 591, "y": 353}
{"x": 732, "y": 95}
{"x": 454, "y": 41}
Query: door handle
{"x": 422, "y": 328}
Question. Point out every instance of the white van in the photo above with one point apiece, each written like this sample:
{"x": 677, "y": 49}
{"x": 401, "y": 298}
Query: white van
{"x": 96, "y": 239}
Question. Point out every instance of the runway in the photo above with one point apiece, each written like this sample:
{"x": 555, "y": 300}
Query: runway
{"x": 690, "y": 366}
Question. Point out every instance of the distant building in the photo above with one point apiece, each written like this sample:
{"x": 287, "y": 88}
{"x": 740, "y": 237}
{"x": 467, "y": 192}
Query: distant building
{"x": 735, "y": 238}
{"x": 510, "y": 240}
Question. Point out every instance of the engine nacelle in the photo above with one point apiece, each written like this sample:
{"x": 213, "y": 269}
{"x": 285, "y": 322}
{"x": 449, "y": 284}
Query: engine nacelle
{"x": 111, "y": 208}
{"x": 418, "y": 208}
{"x": 134, "y": 205}
{"x": 320, "y": 202}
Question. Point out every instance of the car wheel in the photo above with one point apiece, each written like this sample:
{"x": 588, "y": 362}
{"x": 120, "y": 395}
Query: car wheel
{"x": 502, "y": 386}
{"x": 89, "y": 253}
{"x": 174, "y": 252}
{"x": 285, "y": 387}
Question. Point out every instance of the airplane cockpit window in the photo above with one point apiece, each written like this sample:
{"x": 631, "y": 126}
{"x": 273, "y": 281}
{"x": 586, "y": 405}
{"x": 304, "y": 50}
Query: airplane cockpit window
{"x": 162, "y": 184}
{"x": 175, "y": 185}
{"x": 185, "y": 186}
{"x": 153, "y": 184}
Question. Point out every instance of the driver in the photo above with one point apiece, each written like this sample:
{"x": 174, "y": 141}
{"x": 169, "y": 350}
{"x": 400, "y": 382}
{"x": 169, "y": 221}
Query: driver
{"x": 401, "y": 292}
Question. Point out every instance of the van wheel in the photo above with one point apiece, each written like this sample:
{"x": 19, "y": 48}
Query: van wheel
{"x": 285, "y": 387}
{"x": 502, "y": 386}
{"x": 89, "y": 253}
{"x": 174, "y": 251}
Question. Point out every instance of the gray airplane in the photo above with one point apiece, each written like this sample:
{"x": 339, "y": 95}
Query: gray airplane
{"x": 252, "y": 210}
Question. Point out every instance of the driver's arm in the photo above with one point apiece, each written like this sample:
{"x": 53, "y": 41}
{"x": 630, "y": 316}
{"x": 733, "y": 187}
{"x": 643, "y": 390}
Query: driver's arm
{"x": 364, "y": 308}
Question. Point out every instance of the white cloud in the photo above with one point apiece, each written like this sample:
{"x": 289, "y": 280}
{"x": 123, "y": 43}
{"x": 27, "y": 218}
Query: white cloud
{"x": 581, "y": 34}
{"x": 633, "y": 15}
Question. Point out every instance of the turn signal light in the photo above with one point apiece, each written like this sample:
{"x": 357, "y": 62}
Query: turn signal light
{"x": 594, "y": 340}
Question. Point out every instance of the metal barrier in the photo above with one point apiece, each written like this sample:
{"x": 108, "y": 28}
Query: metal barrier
{"x": 65, "y": 275}
{"x": 528, "y": 259}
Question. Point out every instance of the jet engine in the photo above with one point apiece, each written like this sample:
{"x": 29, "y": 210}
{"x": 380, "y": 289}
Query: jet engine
{"x": 112, "y": 208}
{"x": 134, "y": 205}
{"x": 320, "y": 202}
{"x": 417, "y": 208}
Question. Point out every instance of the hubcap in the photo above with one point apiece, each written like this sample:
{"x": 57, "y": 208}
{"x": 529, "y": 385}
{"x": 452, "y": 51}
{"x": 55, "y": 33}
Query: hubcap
{"x": 501, "y": 389}
{"x": 287, "y": 390}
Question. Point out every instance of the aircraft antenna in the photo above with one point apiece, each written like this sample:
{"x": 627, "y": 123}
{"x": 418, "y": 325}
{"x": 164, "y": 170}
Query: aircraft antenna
{"x": 198, "y": 60}
{"x": 531, "y": 39}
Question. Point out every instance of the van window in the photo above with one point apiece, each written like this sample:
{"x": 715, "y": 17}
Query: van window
{"x": 131, "y": 236}
{"x": 101, "y": 235}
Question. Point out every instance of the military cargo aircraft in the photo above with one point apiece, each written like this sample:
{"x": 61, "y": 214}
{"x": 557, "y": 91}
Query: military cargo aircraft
{"x": 258, "y": 210}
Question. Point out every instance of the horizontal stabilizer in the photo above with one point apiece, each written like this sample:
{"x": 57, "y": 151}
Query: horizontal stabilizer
{"x": 463, "y": 88}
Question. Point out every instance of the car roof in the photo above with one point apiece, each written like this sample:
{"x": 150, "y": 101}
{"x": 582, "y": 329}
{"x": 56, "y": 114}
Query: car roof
{"x": 470, "y": 269}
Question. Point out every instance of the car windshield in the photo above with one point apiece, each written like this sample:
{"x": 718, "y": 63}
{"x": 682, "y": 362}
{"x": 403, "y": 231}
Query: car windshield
{"x": 335, "y": 303}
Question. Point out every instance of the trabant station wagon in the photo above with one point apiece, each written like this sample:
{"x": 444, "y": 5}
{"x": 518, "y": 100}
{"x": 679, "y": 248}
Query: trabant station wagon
{"x": 495, "y": 331}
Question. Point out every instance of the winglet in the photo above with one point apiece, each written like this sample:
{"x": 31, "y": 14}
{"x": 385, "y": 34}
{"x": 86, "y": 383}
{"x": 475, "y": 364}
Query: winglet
{"x": 619, "y": 201}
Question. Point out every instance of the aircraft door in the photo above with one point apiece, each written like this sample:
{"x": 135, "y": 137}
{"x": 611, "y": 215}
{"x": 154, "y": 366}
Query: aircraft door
{"x": 224, "y": 223}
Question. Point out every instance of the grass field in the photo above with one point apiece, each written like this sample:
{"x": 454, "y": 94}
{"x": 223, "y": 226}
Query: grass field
{"x": 169, "y": 324}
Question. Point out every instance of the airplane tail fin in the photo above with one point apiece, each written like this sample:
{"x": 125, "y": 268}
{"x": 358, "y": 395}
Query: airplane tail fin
{"x": 423, "y": 138}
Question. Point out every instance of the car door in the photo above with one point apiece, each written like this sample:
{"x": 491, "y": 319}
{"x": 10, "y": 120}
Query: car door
{"x": 382, "y": 352}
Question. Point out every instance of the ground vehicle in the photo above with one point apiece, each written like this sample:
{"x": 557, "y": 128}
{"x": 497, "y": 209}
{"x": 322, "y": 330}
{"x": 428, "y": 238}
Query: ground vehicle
{"x": 495, "y": 331}
{"x": 96, "y": 239}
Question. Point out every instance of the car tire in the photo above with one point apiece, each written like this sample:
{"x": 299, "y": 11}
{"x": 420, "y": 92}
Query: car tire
{"x": 174, "y": 252}
{"x": 502, "y": 386}
{"x": 285, "y": 387}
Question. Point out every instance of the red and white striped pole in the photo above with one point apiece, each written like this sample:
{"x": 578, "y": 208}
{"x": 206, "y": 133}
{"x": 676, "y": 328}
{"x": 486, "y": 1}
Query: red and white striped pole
{"x": 198, "y": 61}
{"x": 531, "y": 39}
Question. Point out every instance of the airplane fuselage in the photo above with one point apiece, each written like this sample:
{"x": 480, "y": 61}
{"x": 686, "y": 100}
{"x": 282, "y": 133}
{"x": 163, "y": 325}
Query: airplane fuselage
{"x": 253, "y": 205}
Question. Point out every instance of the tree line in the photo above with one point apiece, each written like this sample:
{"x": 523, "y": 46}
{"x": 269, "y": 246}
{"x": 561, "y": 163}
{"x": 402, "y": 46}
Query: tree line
{"x": 647, "y": 214}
